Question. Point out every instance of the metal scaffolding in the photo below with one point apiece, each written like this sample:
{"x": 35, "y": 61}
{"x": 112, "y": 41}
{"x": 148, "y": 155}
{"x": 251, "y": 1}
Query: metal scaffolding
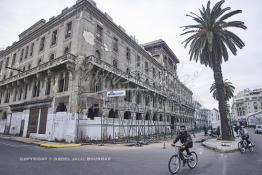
{"x": 130, "y": 123}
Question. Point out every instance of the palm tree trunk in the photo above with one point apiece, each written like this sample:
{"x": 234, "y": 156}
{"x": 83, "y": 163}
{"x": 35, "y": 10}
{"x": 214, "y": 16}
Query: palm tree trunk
{"x": 225, "y": 130}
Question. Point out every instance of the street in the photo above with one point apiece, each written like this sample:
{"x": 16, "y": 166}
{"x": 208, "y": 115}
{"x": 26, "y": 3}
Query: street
{"x": 17, "y": 158}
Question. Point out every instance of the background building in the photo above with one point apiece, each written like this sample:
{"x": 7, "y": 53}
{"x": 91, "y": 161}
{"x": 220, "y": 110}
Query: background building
{"x": 205, "y": 117}
{"x": 214, "y": 118}
{"x": 81, "y": 76}
{"x": 200, "y": 116}
{"x": 245, "y": 103}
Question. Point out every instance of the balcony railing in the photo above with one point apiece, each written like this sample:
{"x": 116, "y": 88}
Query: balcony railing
{"x": 132, "y": 77}
{"x": 44, "y": 66}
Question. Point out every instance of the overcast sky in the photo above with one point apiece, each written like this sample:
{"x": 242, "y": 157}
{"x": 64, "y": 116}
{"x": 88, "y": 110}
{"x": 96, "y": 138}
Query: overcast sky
{"x": 149, "y": 20}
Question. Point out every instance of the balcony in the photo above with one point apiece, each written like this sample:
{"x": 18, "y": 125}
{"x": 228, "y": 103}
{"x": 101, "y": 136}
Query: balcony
{"x": 132, "y": 77}
{"x": 42, "y": 67}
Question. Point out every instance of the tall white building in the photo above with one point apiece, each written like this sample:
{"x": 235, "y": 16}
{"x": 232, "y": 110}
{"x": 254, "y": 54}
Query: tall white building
{"x": 214, "y": 118}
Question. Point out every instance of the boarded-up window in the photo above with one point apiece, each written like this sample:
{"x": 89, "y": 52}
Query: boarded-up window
{"x": 33, "y": 120}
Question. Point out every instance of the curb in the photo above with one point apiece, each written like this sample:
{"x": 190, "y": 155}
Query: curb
{"x": 219, "y": 150}
{"x": 60, "y": 145}
{"x": 19, "y": 141}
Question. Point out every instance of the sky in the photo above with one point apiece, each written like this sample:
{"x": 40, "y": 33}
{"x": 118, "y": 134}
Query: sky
{"x": 150, "y": 20}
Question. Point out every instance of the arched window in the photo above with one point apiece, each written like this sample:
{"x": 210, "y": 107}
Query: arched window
{"x": 154, "y": 117}
{"x": 93, "y": 111}
{"x": 138, "y": 116}
{"x": 113, "y": 113}
{"x": 127, "y": 115}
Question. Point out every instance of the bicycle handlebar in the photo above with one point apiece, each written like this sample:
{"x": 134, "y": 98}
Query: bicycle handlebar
{"x": 176, "y": 146}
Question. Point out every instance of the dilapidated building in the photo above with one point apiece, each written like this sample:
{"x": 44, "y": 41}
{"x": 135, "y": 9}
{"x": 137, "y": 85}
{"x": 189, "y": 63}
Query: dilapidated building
{"x": 56, "y": 81}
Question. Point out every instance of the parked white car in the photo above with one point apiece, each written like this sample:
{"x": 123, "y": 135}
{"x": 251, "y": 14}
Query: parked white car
{"x": 258, "y": 129}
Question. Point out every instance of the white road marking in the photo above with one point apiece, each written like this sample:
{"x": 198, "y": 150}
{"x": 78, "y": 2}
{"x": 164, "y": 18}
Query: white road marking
{"x": 224, "y": 164}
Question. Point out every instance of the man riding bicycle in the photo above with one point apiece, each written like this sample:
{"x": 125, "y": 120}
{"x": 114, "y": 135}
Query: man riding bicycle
{"x": 186, "y": 140}
{"x": 242, "y": 132}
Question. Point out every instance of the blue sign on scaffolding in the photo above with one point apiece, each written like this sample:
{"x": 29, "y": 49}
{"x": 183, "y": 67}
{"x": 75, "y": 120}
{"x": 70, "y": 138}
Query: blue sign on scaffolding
{"x": 119, "y": 93}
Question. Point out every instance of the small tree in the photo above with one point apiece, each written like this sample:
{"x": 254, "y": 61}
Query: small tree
{"x": 228, "y": 87}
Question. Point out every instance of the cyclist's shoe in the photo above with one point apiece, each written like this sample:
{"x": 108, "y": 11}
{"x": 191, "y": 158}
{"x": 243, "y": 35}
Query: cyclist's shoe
{"x": 190, "y": 158}
{"x": 173, "y": 144}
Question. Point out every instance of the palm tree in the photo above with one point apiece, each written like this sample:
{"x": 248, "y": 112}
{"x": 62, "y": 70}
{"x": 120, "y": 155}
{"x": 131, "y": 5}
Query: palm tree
{"x": 209, "y": 42}
{"x": 229, "y": 90}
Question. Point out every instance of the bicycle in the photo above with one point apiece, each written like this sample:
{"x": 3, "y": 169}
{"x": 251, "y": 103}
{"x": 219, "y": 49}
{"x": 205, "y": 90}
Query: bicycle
{"x": 242, "y": 146}
{"x": 174, "y": 163}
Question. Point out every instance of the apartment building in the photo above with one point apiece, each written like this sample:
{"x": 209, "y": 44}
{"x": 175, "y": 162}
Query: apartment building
{"x": 57, "y": 81}
{"x": 246, "y": 103}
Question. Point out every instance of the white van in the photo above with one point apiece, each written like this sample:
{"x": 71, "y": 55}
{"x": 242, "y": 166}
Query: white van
{"x": 258, "y": 129}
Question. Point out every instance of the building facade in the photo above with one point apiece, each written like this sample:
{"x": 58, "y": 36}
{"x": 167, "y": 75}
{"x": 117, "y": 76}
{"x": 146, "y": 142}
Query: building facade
{"x": 201, "y": 116}
{"x": 214, "y": 118}
{"x": 56, "y": 80}
{"x": 245, "y": 103}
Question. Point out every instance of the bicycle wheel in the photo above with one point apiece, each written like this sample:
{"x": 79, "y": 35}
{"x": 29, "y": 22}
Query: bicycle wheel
{"x": 192, "y": 162}
{"x": 241, "y": 147}
{"x": 174, "y": 164}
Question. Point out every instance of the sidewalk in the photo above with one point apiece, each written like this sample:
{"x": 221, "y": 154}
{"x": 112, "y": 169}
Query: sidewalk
{"x": 37, "y": 142}
{"x": 221, "y": 145}
{"x": 199, "y": 137}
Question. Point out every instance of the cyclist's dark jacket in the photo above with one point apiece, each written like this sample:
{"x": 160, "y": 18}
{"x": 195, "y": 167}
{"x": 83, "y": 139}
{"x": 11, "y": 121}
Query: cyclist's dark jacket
{"x": 185, "y": 139}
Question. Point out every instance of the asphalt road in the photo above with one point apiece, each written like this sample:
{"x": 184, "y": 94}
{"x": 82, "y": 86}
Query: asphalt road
{"x": 20, "y": 159}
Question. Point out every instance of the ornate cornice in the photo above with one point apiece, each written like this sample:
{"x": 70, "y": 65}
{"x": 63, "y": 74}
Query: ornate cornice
{"x": 38, "y": 32}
